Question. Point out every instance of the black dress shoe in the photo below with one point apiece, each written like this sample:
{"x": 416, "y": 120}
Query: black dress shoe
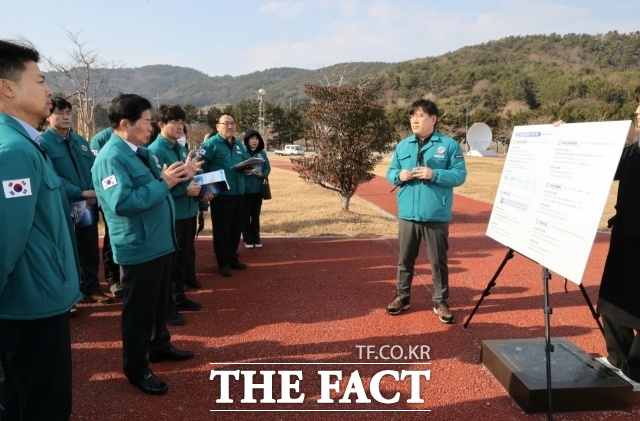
{"x": 172, "y": 353}
{"x": 187, "y": 305}
{"x": 225, "y": 271}
{"x": 175, "y": 319}
{"x": 150, "y": 384}
{"x": 194, "y": 283}
{"x": 238, "y": 265}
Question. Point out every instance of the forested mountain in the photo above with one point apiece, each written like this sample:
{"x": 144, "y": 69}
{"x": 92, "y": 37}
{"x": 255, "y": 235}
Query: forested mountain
{"x": 512, "y": 81}
{"x": 184, "y": 85}
{"x": 525, "y": 80}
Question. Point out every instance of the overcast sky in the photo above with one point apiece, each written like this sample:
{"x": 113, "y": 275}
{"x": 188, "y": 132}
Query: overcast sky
{"x": 242, "y": 36}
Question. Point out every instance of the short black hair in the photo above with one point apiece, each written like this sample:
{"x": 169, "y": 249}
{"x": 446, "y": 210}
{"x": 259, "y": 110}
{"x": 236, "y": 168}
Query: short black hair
{"x": 13, "y": 56}
{"x": 60, "y": 104}
{"x": 126, "y": 107}
{"x": 165, "y": 113}
{"x": 426, "y": 105}
{"x": 223, "y": 114}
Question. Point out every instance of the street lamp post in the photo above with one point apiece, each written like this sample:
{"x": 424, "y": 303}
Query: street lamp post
{"x": 261, "y": 93}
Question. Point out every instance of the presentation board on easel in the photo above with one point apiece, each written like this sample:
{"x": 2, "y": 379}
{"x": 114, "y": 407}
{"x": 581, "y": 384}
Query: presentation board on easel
{"x": 553, "y": 189}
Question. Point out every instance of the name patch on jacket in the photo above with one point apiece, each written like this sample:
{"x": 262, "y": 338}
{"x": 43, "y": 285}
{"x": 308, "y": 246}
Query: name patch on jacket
{"x": 17, "y": 188}
{"x": 109, "y": 182}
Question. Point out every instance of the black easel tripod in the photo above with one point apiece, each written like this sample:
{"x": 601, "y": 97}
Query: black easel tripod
{"x": 547, "y": 311}
{"x": 492, "y": 283}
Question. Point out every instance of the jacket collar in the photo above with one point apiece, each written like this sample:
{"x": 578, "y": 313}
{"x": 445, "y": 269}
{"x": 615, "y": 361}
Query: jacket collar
{"x": 119, "y": 142}
{"x": 218, "y": 138}
{"x": 164, "y": 142}
{"x": 20, "y": 126}
{"x": 55, "y": 136}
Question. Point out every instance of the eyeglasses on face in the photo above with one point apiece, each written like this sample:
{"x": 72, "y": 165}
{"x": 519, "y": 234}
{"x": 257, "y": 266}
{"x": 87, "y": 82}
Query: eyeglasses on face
{"x": 228, "y": 123}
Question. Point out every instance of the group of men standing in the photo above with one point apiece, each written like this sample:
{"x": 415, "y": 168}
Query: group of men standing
{"x": 50, "y": 263}
{"x": 150, "y": 205}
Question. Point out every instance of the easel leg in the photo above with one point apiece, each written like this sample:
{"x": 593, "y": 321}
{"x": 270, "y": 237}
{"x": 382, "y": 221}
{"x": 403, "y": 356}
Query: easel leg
{"x": 547, "y": 334}
{"x": 594, "y": 313}
{"x": 490, "y": 285}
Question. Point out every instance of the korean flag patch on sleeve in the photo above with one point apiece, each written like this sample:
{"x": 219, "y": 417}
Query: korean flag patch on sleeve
{"x": 17, "y": 188}
{"x": 109, "y": 182}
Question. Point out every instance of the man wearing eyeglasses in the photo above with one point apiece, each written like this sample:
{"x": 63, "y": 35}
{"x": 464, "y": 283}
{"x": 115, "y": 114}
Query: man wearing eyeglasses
{"x": 222, "y": 152}
{"x": 72, "y": 160}
{"x": 426, "y": 166}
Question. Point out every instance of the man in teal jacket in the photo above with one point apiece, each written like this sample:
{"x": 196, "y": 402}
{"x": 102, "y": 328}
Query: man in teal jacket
{"x": 222, "y": 152}
{"x": 426, "y": 167}
{"x": 72, "y": 159}
{"x": 170, "y": 120}
{"x": 111, "y": 269}
{"x": 134, "y": 192}
{"x": 39, "y": 268}
{"x": 100, "y": 139}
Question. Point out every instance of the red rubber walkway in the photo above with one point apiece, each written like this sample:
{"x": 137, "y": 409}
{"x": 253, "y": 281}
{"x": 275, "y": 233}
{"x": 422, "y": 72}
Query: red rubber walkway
{"x": 317, "y": 304}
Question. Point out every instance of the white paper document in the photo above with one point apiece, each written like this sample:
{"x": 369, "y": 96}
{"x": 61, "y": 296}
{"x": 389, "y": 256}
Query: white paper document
{"x": 553, "y": 189}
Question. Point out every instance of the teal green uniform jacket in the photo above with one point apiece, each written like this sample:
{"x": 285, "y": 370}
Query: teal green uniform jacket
{"x": 74, "y": 181}
{"x": 39, "y": 271}
{"x": 217, "y": 155}
{"x": 168, "y": 153}
{"x": 100, "y": 139}
{"x": 253, "y": 183}
{"x": 136, "y": 203}
{"x": 431, "y": 200}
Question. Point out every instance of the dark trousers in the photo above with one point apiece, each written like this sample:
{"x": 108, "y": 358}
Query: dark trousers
{"x": 185, "y": 233}
{"x": 623, "y": 347}
{"x": 251, "y": 225}
{"x": 36, "y": 357}
{"x": 145, "y": 295}
{"x": 191, "y": 262}
{"x": 111, "y": 268}
{"x": 89, "y": 253}
{"x": 226, "y": 217}
{"x": 436, "y": 238}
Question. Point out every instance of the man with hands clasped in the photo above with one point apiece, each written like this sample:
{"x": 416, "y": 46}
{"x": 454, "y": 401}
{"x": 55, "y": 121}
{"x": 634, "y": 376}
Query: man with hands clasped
{"x": 425, "y": 166}
{"x": 167, "y": 149}
{"x": 134, "y": 191}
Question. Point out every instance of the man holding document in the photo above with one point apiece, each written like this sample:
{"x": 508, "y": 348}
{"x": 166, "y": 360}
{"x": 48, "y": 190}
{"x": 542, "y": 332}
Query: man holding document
{"x": 222, "y": 152}
{"x": 72, "y": 159}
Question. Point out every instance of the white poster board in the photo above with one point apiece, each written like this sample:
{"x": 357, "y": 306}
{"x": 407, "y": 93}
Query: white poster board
{"x": 553, "y": 189}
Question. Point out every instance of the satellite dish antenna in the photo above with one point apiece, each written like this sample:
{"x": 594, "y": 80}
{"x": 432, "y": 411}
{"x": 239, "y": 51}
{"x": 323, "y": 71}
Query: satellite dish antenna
{"x": 479, "y": 139}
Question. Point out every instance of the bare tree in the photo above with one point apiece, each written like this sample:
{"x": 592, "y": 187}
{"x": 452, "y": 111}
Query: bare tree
{"x": 85, "y": 76}
{"x": 347, "y": 126}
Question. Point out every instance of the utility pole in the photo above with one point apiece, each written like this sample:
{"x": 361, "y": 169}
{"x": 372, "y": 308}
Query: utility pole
{"x": 157, "y": 98}
{"x": 261, "y": 93}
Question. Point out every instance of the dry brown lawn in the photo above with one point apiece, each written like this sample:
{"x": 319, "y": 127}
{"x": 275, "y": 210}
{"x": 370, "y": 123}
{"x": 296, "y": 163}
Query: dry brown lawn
{"x": 302, "y": 209}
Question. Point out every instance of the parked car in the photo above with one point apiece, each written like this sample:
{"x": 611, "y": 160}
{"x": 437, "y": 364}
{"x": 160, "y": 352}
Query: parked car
{"x": 290, "y": 150}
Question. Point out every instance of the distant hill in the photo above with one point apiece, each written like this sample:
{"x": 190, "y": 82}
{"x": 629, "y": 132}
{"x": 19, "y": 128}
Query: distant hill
{"x": 537, "y": 70}
{"x": 574, "y": 76}
{"x": 184, "y": 85}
